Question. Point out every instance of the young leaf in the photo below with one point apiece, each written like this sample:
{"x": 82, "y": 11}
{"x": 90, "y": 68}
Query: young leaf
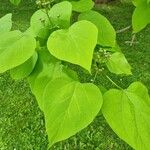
{"x": 40, "y": 24}
{"x": 118, "y": 64}
{"x": 140, "y": 18}
{"x": 82, "y": 5}
{"x": 106, "y": 32}
{"x": 128, "y": 114}
{"x": 15, "y": 49}
{"x": 24, "y": 69}
{"x": 60, "y": 14}
{"x": 75, "y": 45}
{"x": 46, "y": 69}
{"x": 69, "y": 106}
{"x": 15, "y": 2}
{"x": 5, "y": 23}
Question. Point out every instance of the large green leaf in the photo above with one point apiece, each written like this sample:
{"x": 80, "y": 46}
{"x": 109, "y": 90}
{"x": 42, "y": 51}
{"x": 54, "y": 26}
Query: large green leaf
{"x": 5, "y": 23}
{"x": 106, "y": 32}
{"x": 69, "y": 106}
{"x": 128, "y": 114}
{"x": 15, "y": 49}
{"x": 59, "y": 15}
{"x": 75, "y": 45}
{"x": 24, "y": 69}
{"x": 46, "y": 69}
{"x": 15, "y": 2}
{"x": 82, "y": 5}
{"x": 140, "y": 17}
{"x": 118, "y": 64}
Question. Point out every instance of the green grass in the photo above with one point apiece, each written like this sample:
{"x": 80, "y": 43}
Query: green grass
{"x": 22, "y": 124}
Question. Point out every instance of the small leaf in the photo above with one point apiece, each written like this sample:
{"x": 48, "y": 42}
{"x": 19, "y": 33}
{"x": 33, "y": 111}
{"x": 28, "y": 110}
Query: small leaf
{"x": 118, "y": 64}
{"x": 128, "y": 114}
{"x": 140, "y": 18}
{"x": 15, "y": 49}
{"x": 24, "y": 69}
{"x": 82, "y": 5}
{"x": 75, "y": 45}
{"x": 40, "y": 24}
{"x": 69, "y": 106}
{"x": 15, "y": 2}
{"x": 106, "y": 32}
{"x": 60, "y": 14}
{"x": 5, "y": 23}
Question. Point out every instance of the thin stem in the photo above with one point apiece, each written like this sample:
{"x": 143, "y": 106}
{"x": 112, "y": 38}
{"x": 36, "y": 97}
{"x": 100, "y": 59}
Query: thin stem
{"x": 133, "y": 38}
{"x": 48, "y": 16}
{"x": 124, "y": 29}
{"x": 113, "y": 82}
{"x": 95, "y": 76}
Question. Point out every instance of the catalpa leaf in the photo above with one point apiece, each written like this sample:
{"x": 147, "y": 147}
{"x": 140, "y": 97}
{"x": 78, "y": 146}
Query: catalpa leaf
{"x": 59, "y": 15}
{"x": 106, "y": 32}
{"x": 118, "y": 64}
{"x": 82, "y": 5}
{"x": 47, "y": 69}
{"x": 69, "y": 106}
{"x": 140, "y": 18}
{"x": 75, "y": 45}
{"x": 15, "y": 49}
{"x": 5, "y": 23}
{"x": 24, "y": 69}
{"x": 128, "y": 114}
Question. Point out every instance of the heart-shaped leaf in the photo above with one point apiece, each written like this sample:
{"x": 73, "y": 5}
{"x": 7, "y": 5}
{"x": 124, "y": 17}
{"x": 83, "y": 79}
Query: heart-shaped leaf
{"x": 15, "y": 49}
{"x": 118, "y": 64}
{"x": 69, "y": 106}
{"x": 75, "y": 45}
{"x": 128, "y": 114}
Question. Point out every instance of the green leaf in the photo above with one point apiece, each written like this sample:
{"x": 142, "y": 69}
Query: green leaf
{"x": 75, "y": 45}
{"x": 15, "y": 2}
{"x": 128, "y": 114}
{"x": 106, "y": 32}
{"x": 82, "y": 5}
{"x": 15, "y": 49}
{"x": 5, "y": 23}
{"x": 40, "y": 24}
{"x": 47, "y": 69}
{"x": 139, "y": 2}
{"x": 24, "y": 69}
{"x": 140, "y": 18}
{"x": 118, "y": 64}
{"x": 69, "y": 106}
{"x": 60, "y": 14}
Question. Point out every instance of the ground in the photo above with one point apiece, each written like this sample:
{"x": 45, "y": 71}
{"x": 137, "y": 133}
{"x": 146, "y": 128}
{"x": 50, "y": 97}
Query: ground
{"x": 22, "y": 124}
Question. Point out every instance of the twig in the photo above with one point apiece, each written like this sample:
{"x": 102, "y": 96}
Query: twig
{"x": 124, "y": 29}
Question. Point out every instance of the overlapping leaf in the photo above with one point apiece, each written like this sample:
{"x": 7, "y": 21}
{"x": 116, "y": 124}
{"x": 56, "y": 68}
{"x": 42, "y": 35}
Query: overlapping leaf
{"x": 106, "y": 32}
{"x": 75, "y": 45}
{"x": 15, "y": 49}
{"x": 24, "y": 69}
{"x": 5, "y": 23}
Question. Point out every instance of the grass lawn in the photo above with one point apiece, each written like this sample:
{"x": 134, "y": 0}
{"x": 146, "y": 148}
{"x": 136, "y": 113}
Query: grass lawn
{"x": 22, "y": 124}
